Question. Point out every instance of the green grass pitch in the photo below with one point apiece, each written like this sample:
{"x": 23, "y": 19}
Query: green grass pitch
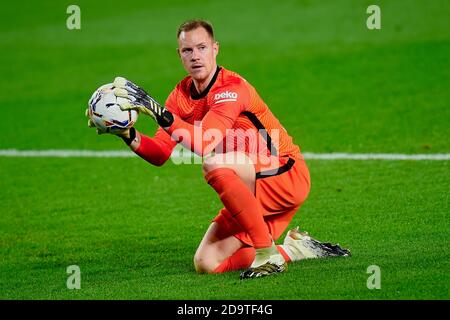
{"x": 133, "y": 229}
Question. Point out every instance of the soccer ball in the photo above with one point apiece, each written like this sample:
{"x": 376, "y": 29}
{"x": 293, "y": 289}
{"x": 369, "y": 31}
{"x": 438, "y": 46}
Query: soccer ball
{"x": 104, "y": 111}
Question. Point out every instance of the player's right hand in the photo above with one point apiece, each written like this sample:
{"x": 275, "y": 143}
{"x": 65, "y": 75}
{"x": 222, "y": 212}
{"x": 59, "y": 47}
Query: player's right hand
{"x": 141, "y": 101}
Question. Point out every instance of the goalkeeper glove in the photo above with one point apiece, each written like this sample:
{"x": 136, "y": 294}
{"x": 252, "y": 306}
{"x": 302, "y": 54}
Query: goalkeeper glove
{"x": 127, "y": 135}
{"x": 141, "y": 101}
{"x": 91, "y": 123}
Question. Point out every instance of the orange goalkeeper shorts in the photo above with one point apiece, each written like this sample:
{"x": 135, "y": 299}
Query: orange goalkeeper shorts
{"x": 279, "y": 192}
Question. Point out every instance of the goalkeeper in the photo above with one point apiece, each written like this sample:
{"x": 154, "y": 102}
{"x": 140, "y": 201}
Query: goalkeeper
{"x": 250, "y": 160}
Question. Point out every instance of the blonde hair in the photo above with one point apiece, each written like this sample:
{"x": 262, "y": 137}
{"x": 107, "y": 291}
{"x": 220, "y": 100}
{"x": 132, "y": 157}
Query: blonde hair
{"x": 190, "y": 25}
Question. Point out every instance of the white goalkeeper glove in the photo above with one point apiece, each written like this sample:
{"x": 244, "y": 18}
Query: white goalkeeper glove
{"x": 141, "y": 101}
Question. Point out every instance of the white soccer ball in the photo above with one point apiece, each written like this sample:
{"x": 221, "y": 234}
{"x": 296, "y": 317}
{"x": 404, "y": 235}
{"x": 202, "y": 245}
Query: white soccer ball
{"x": 104, "y": 111}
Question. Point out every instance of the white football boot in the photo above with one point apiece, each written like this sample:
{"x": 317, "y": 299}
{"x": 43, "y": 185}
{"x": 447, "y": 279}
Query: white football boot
{"x": 267, "y": 261}
{"x": 299, "y": 245}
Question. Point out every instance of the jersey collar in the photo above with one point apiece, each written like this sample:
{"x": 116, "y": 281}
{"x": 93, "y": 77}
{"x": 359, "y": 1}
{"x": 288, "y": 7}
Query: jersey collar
{"x": 197, "y": 96}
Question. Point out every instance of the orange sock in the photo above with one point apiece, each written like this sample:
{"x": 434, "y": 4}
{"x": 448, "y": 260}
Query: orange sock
{"x": 241, "y": 203}
{"x": 283, "y": 253}
{"x": 242, "y": 259}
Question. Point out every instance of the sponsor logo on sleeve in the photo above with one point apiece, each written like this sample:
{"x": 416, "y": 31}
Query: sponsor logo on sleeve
{"x": 225, "y": 97}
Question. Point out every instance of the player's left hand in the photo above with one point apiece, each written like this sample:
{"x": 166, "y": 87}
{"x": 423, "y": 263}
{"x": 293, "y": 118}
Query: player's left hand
{"x": 123, "y": 133}
{"x": 91, "y": 123}
{"x": 141, "y": 101}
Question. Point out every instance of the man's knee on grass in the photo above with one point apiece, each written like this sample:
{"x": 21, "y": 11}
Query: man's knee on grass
{"x": 204, "y": 264}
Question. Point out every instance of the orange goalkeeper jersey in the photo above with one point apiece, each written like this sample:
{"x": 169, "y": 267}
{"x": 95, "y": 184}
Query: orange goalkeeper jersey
{"x": 228, "y": 115}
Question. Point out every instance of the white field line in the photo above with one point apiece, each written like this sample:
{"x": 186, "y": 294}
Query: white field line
{"x": 376, "y": 156}
{"x": 187, "y": 154}
{"x": 65, "y": 154}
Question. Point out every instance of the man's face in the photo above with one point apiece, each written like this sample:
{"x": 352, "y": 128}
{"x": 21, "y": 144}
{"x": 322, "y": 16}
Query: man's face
{"x": 198, "y": 53}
